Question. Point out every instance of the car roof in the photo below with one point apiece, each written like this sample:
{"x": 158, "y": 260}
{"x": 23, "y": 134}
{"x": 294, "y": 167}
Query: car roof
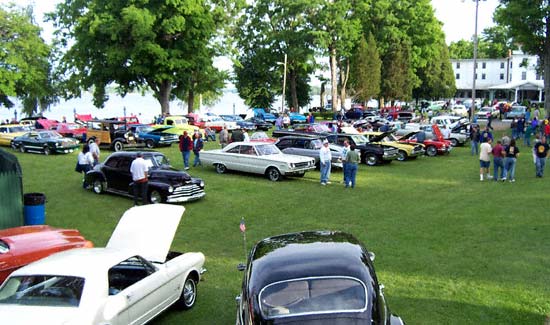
{"x": 132, "y": 154}
{"x": 304, "y": 254}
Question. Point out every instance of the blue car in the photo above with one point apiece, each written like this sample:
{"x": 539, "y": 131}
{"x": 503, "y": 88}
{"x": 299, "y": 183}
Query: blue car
{"x": 153, "y": 137}
{"x": 264, "y": 115}
{"x": 247, "y": 125}
{"x": 296, "y": 118}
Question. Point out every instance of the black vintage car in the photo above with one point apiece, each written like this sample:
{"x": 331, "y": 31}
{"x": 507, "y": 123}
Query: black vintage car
{"x": 319, "y": 277}
{"x": 371, "y": 154}
{"x": 166, "y": 184}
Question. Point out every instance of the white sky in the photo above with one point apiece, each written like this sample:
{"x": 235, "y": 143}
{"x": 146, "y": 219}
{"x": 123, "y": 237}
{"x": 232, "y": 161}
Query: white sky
{"x": 458, "y": 16}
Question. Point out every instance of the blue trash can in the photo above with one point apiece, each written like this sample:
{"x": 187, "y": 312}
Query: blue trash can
{"x": 34, "y": 208}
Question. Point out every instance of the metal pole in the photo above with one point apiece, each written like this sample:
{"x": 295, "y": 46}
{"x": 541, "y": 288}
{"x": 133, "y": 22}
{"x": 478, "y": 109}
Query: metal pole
{"x": 472, "y": 108}
{"x": 284, "y": 88}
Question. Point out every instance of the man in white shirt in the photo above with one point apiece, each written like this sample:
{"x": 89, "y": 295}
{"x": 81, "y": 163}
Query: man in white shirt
{"x": 139, "y": 170}
{"x": 325, "y": 158}
{"x": 94, "y": 150}
{"x": 484, "y": 160}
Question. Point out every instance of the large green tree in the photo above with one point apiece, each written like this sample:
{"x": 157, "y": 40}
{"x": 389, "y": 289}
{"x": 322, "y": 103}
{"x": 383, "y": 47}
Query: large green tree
{"x": 163, "y": 45}
{"x": 528, "y": 22}
{"x": 366, "y": 68}
{"x": 24, "y": 62}
{"x": 494, "y": 43}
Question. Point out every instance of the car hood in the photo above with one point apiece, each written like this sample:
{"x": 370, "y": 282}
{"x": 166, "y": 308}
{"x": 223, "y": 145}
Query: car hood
{"x": 160, "y": 129}
{"x": 409, "y": 135}
{"x": 379, "y": 137}
{"x": 23, "y": 315}
{"x": 147, "y": 229}
{"x": 169, "y": 173}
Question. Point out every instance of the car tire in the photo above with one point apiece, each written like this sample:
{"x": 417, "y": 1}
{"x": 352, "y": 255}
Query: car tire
{"x": 431, "y": 151}
{"x": 273, "y": 174}
{"x": 47, "y": 151}
{"x": 149, "y": 144}
{"x": 97, "y": 186}
{"x": 118, "y": 146}
{"x": 155, "y": 197}
{"x": 22, "y": 148}
{"x": 188, "y": 295}
{"x": 454, "y": 142}
{"x": 402, "y": 155}
{"x": 220, "y": 168}
{"x": 371, "y": 159}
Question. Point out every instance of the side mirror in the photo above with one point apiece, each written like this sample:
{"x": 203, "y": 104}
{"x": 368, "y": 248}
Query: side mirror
{"x": 241, "y": 267}
{"x": 372, "y": 256}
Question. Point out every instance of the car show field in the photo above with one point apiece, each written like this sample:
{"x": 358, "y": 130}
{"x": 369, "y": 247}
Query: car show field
{"x": 450, "y": 249}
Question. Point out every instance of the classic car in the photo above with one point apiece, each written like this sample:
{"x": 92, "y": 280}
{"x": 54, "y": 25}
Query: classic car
{"x": 262, "y": 137}
{"x": 216, "y": 123}
{"x": 432, "y": 146}
{"x": 259, "y": 123}
{"x": 130, "y": 281}
{"x": 264, "y": 114}
{"x": 485, "y": 112}
{"x": 44, "y": 141}
{"x": 457, "y": 138}
{"x": 71, "y": 130}
{"x": 296, "y": 118}
{"x": 152, "y": 137}
{"x": 258, "y": 158}
{"x": 241, "y": 123}
{"x": 371, "y": 154}
{"x": 312, "y": 129}
{"x": 10, "y": 131}
{"x": 112, "y": 134}
{"x": 405, "y": 150}
{"x": 314, "y": 277}
{"x": 515, "y": 112}
{"x": 166, "y": 184}
{"x": 20, "y": 246}
{"x": 459, "y": 110}
{"x": 178, "y": 124}
{"x": 308, "y": 147}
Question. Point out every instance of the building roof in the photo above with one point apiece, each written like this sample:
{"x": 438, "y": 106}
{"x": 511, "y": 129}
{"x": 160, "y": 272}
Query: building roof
{"x": 524, "y": 84}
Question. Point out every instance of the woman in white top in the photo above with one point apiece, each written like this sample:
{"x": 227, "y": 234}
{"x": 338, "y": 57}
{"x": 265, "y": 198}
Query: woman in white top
{"x": 85, "y": 163}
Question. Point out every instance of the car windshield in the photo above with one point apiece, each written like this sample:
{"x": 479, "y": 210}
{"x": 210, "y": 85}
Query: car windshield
{"x": 259, "y": 136}
{"x": 42, "y": 290}
{"x": 317, "y": 295}
{"x": 359, "y": 139}
{"x": 17, "y": 129}
{"x": 145, "y": 129}
{"x": 4, "y": 248}
{"x": 267, "y": 149}
{"x": 157, "y": 160}
{"x": 50, "y": 135}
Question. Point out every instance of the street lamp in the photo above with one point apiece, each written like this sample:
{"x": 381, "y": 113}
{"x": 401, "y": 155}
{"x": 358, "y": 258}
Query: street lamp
{"x": 284, "y": 85}
{"x": 472, "y": 107}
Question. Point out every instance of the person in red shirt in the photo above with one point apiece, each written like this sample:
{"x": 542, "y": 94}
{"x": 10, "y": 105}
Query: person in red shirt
{"x": 498, "y": 161}
{"x": 186, "y": 145}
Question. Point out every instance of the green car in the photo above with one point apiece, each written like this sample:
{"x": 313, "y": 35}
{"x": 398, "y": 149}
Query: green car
{"x": 44, "y": 142}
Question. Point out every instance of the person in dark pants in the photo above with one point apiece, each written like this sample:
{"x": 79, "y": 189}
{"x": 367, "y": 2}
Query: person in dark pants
{"x": 139, "y": 170}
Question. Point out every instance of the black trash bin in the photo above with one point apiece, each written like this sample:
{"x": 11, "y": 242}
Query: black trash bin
{"x": 34, "y": 208}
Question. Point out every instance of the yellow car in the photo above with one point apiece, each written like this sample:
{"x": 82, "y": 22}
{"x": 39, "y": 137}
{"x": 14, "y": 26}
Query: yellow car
{"x": 10, "y": 131}
{"x": 178, "y": 124}
{"x": 406, "y": 151}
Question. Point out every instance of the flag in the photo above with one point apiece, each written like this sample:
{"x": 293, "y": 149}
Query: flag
{"x": 242, "y": 226}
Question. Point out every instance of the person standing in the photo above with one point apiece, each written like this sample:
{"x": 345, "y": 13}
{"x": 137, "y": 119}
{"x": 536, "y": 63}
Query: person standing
{"x": 528, "y": 133}
{"x": 344, "y": 162}
{"x": 485, "y": 135}
{"x": 198, "y": 144}
{"x": 352, "y": 159}
{"x": 224, "y": 137}
{"x": 246, "y": 137}
{"x": 512, "y": 153}
{"x": 94, "y": 150}
{"x": 237, "y": 135}
{"x": 84, "y": 163}
{"x": 186, "y": 145}
{"x": 484, "y": 160}
{"x": 541, "y": 153}
{"x": 474, "y": 139}
{"x": 498, "y": 161}
{"x": 139, "y": 169}
{"x": 286, "y": 121}
{"x": 325, "y": 159}
{"x": 520, "y": 127}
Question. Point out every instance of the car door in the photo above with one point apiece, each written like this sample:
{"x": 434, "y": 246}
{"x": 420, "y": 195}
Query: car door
{"x": 249, "y": 160}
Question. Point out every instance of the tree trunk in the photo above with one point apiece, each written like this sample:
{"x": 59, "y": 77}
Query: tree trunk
{"x": 344, "y": 76}
{"x": 163, "y": 96}
{"x": 546, "y": 65}
{"x": 293, "y": 92}
{"x": 322, "y": 95}
{"x": 333, "y": 80}
{"x": 190, "y": 100}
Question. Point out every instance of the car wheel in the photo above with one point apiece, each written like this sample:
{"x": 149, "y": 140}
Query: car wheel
{"x": 22, "y": 148}
{"x": 97, "y": 186}
{"x": 431, "y": 151}
{"x": 47, "y": 151}
{"x": 273, "y": 174}
{"x": 371, "y": 160}
{"x": 401, "y": 155}
{"x": 118, "y": 146}
{"x": 220, "y": 168}
{"x": 155, "y": 197}
{"x": 188, "y": 294}
{"x": 454, "y": 142}
{"x": 149, "y": 144}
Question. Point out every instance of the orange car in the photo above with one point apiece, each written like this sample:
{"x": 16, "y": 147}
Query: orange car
{"x": 20, "y": 246}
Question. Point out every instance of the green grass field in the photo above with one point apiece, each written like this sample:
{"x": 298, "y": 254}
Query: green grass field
{"x": 449, "y": 248}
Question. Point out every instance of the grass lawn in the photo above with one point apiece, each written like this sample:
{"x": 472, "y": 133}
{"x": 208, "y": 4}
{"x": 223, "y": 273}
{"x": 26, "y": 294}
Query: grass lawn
{"x": 449, "y": 248}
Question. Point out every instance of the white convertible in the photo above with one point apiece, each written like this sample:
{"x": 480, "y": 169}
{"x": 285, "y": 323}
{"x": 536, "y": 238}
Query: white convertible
{"x": 258, "y": 158}
{"x": 130, "y": 281}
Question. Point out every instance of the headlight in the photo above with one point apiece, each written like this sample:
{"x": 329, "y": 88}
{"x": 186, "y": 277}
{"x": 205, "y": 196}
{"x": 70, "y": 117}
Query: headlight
{"x": 291, "y": 165}
{"x": 161, "y": 138}
{"x": 201, "y": 184}
{"x": 58, "y": 144}
{"x": 170, "y": 189}
{"x": 126, "y": 135}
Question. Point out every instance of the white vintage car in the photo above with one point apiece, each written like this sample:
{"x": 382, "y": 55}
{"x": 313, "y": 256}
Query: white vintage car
{"x": 258, "y": 158}
{"x": 130, "y": 281}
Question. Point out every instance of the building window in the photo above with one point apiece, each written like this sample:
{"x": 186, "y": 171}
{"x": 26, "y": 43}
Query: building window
{"x": 483, "y": 76}
{"x": 510, "y": 77}
{"x": 476, "y": 65}
{"x": 539, "y": 76}
{"x": 524, "y": 75}
{"x": 502, "y": 65}
{"x": 502, "y": 76}
{"x": 457, "y": 76}
{"x": 458, "y": 65}
{"x": 483, "y": 65}
{"x": 475, "y": 76}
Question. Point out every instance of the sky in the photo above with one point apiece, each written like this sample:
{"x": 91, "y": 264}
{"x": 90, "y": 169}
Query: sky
{"x": 457, "y": 16}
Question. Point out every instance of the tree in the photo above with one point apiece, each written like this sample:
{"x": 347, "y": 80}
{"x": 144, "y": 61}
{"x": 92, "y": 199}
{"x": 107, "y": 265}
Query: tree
{"x": 366, "y": 69}
{"x": 24, "y": 61}
{"x": 528, "y": 22}
{"x": 494, "y": 43}
{"x": 396, "y": 76}
{"x": 461, "y": 49}
{"x": 137, "y": 44}
{"x": 437, "y": 77}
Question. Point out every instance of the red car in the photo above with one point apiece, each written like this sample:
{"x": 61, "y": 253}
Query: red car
{"x": 432, "y": 146}
{"x": 20, "y": 246}
{"x": 71, "y": 130}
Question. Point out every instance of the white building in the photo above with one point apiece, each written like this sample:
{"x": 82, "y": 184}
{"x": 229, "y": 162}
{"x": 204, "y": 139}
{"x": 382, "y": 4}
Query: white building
{"x": 513, "y": 78}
